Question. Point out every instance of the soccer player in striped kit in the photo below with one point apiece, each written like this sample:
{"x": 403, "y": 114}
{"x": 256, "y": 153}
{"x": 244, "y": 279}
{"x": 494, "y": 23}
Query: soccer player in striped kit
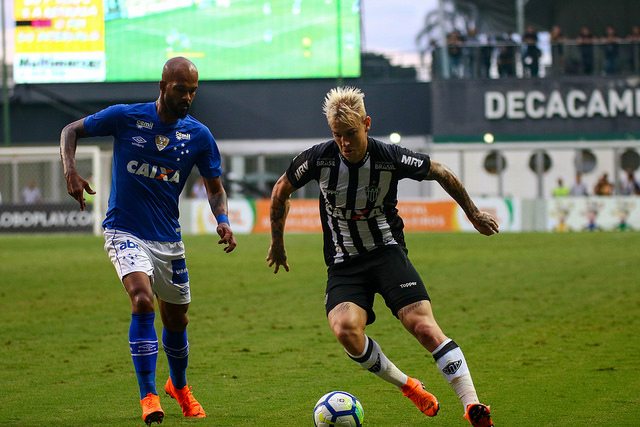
{"x": 156, "y": 145}
{"x": 364, "y": 246}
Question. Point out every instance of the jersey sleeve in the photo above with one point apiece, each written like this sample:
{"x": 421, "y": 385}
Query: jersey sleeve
{"x": 411, "y": 164}
{"x": 302, "y": 168}
{"x": 104, "y": 122}
{"x": 209, "y": 163}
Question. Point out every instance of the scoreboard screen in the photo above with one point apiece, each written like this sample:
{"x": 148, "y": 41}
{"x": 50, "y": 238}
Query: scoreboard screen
{"x": 59, "y": 41}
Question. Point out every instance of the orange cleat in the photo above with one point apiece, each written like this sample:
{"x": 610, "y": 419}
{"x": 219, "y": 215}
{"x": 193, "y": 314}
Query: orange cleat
{"x": 151, "y": 410}
{"x": 425, "y": 401}
{"x": 190, "y": 406}
{"x": 479, "y": 415}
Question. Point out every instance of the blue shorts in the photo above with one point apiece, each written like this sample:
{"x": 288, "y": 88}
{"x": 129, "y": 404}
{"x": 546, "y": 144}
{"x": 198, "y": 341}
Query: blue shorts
{"x": 386, "y": 270}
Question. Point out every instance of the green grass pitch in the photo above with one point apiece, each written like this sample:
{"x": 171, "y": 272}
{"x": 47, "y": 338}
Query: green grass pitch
{"x": 549, "y": 324}
{"x": 238, "y": 42}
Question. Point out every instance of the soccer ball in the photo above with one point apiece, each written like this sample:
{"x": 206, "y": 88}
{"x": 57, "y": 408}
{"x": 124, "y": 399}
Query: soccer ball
{"x": 338, "y": 408}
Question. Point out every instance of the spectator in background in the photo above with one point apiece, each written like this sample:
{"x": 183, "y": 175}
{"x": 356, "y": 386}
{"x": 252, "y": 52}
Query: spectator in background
{"x": 199, "y": 191}
{"x": 506, "y": 56}
{"x": 630, "y": 185}
{"x": 31, "y": 193}
{"x": 585, "y": 44}
{"x": 531, "y": 54}
{"x": 471, "y": 53}
{"x": 611, "y": 47}
{"x": 557, "y": 50}
{"x": 603, "y": 187}
{"x": 454, "y": 49}
{"x": 578, "y": 188}
{"x": 634, "y": 49}
{"x": 561, "y": 190}
{"x": 487, "y": 46}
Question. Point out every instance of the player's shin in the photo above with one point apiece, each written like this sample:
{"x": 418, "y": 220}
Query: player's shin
{"x": 176, "y": 347}
{"x": 375, "y": 361}
{"x": 453, "y": 366}
{"x": 143, "y": 344}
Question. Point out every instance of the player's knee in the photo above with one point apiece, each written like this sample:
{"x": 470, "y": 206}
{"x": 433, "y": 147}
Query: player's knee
{"x": 176, "y": 323}
{"x": 427, "y": 332}
{"x": 142, "y": 302}
{"x": 347, "y": 332}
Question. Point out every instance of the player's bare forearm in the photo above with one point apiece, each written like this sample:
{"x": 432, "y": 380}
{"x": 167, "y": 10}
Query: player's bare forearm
{"x": 76, "y": 185}
{"x": 277, "y": 255}
{"x": 453, "y": 186}
{"x": 280, "y": 208}
{"x": 482, "y": 221}
{"x": 68, "y": 144}
{"x": 278, "y": 214}
{"x": 218, "y": 202}
{"x": 217, "y": 197}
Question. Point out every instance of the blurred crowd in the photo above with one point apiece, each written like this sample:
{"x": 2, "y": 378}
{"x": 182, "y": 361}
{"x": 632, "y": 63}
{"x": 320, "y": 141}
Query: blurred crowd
{"x": 628, "y": 186}
{"x": 536, "y": 54}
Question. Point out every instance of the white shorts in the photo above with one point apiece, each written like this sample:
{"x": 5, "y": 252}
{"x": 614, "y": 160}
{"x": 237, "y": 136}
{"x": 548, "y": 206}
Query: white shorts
{"x": 164, "y": 262}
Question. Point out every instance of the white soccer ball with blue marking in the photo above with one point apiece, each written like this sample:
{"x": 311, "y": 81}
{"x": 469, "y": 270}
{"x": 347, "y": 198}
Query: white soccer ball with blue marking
{"x": 338, "y": 408}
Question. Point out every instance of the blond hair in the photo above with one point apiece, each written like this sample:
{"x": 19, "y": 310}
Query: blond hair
{"x": 344, "y": 105}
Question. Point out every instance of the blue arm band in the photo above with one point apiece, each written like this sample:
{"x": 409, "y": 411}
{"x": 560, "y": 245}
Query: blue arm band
{"x": 222, "y": 218}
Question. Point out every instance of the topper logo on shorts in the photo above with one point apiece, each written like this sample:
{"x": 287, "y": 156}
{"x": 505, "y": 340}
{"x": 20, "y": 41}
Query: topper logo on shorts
{"x": 408, "y": 284}
{"x": 153, "y": 171}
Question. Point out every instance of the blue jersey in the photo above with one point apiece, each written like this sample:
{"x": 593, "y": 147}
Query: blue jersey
{"x": 151, "y": 163}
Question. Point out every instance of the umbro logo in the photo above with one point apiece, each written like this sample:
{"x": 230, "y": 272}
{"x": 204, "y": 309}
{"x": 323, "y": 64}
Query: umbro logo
{"x": 139, "y": 141}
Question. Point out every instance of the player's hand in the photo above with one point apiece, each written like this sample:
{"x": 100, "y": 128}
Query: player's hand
{"x": 277, "y": 256}
{"x": 485, "y": 223}
{"x": 226, "y": 237}
{"x": 76, "y": 186}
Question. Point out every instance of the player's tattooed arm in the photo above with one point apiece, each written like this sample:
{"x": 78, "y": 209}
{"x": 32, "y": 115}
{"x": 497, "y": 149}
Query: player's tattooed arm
{"x": 482, "y": 221}
{"x": 277, "y": 254}
{"x": 219, "y": 207}
{"x": 76, "y": 185}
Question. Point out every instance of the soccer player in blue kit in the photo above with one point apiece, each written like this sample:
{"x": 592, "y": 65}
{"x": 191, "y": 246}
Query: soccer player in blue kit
{"x": 364, "y": 246}
{"x": 156, "y": 145}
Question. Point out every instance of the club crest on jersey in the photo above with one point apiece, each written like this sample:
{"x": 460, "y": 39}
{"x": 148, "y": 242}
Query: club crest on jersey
{"x": 372, "y": 193}
{"x": 161, "y": 142}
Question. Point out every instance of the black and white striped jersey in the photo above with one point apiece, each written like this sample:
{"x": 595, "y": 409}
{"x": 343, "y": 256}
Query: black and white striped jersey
{"x": 358, "y": 201}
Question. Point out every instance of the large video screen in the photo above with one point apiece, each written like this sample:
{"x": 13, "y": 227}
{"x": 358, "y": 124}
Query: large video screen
{"x": 59, "y": 41}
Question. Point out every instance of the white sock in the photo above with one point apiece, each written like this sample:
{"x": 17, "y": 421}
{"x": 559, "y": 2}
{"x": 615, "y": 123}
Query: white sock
{"x": 374, "y": 360}
{"x": 453, "y": 366}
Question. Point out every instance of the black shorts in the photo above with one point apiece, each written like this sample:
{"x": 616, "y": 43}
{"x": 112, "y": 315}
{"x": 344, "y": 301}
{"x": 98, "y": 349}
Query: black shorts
{"x": 386, "y": 270}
